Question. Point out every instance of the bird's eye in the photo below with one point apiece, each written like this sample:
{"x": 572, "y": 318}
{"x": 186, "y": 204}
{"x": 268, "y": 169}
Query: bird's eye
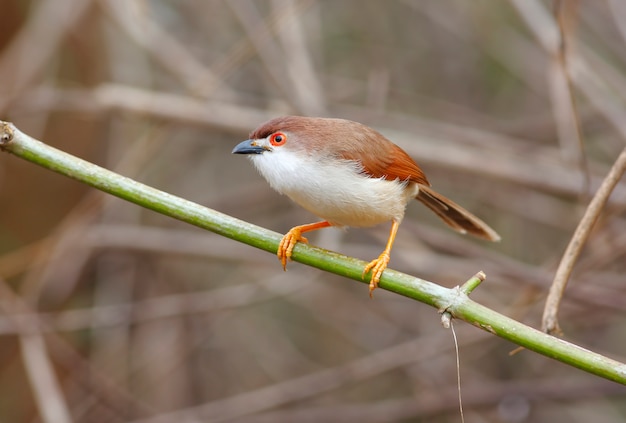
{"x": 278, "y": 139}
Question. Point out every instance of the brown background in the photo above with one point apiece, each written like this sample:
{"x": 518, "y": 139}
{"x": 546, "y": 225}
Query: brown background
{"x": 147, "y": 318}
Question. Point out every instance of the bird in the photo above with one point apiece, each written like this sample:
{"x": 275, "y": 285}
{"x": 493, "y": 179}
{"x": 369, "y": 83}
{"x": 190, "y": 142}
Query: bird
{"x": 348, "y": 175}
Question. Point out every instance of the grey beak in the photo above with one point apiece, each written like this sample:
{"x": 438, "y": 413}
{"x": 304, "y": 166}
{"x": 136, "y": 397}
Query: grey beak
{"x": 248, "y": 147}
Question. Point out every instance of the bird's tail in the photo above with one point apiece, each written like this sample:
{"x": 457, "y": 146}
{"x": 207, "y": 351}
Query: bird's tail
{"x": 454, "y": 215}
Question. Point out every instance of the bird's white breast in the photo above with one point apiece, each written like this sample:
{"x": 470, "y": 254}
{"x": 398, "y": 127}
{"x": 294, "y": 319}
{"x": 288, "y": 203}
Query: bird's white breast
{"x": 334, "y": 189}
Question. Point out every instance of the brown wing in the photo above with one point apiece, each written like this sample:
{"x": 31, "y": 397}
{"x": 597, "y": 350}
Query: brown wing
{"x": 381, "y": 158}
{"x": 397, "y": 165}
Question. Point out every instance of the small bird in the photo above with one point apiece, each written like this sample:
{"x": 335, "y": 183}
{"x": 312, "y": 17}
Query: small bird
{"x": 349, "y": 175}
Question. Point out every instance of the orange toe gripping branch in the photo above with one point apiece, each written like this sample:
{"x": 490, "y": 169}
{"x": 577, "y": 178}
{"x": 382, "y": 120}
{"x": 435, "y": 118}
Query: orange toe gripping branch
{"x": 291, "y": 238}
{"x": 378, "y": 266}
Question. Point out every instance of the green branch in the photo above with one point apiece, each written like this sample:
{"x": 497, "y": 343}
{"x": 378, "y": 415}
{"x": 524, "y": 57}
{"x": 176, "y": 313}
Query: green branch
{"x": 452, "y": 302}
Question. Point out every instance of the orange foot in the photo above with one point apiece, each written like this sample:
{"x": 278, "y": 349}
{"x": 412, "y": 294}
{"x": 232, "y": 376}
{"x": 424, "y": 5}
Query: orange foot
{"x": 377, "y": 267}
{"x": 285, "y": 248}
{"x": 291, "y": 238}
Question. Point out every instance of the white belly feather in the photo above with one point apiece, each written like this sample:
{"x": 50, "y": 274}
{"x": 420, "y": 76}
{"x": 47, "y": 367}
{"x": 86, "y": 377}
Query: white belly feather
{"x": 338, "y": 194}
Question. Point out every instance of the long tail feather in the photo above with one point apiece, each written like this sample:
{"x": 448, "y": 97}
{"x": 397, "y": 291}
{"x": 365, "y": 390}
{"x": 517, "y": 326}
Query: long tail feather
{"x": 454, "y": 215}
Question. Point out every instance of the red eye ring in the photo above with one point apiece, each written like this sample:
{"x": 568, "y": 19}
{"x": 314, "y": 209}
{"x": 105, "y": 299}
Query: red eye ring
{"x": 277, "y": 139}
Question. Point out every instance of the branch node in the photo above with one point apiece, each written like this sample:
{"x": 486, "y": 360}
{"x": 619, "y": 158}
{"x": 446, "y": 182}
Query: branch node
{"x": 461, "y": 291}
{"x": 446, "y": 314}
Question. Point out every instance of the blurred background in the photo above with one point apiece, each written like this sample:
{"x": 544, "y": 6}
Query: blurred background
{"x": 111, "y": 313}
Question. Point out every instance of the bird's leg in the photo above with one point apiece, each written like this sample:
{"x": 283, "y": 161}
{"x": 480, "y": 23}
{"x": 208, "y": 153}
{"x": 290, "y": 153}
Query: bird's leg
{"x": 291, "y": 238}
{"x": 378, "y": 265}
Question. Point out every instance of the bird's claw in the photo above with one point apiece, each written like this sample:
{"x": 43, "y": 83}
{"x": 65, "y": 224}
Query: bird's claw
{"x": 287, "y": 243}
{"x": 377, "y": 267}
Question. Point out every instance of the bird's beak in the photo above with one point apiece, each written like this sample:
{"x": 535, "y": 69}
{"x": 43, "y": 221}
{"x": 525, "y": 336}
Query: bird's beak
{"x": 249, "y": 147}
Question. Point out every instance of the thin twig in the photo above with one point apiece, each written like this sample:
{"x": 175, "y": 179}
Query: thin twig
{"x": 458, "y": 370}
{"x": 563, "y": 99}
{"x": 549, "y": 321}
